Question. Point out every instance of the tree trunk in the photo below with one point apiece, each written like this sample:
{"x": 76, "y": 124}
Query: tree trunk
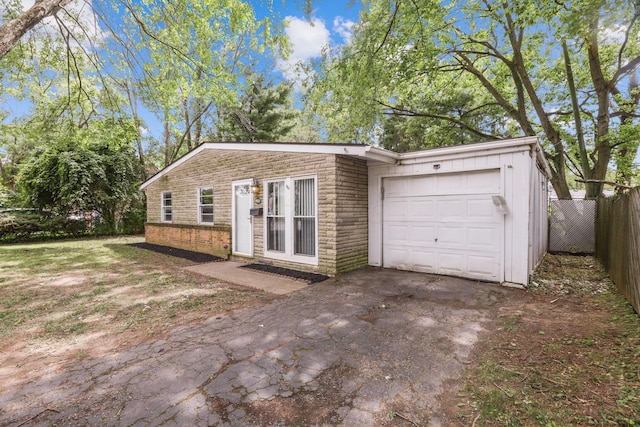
{"x": 187, "y": 124}
{"x": 5, "y": 178}
{"x": 582, "y": 147}
{"x": 558, "y": 176}
{"x": 12, "y": 30}
{"x": 133, "y": 104}
{"x": 602, "y": 88}
{"x": 167, "y": 142}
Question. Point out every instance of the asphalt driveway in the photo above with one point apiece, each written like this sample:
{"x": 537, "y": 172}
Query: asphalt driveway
{"x": 355, "y": 351}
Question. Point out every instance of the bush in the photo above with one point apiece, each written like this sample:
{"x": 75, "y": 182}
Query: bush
{"x": 23, "y": 225}
{"x": 133, "y": 220}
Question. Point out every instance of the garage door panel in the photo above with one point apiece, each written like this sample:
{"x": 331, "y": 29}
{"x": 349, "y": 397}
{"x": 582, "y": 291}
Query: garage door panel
{"x": 423, "y": 257}
{"x": 396, "y": 209}
{"x": 484, "y": 182}
{"x": 422, "y": 185}
{"x": 452, "y": 208}
{"x": 481, "y": 208}
{"x": 451, "y": 263}
{"x": 395, "y": 187}
{"x": 397, "y": 234}
{"x": 482, "y": 267}
{"x": 444, "y": 224}
{"x": 483, "y": 238}
{"x": 396, "y": 255}
{"x": 421, "y": 209}
{"x": 451, "y": 183}
{"x": 421, "y": 236}
{"x": 452, "y": 236}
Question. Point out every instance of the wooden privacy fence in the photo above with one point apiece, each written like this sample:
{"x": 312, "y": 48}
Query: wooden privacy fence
{"x": 618, "y": 242}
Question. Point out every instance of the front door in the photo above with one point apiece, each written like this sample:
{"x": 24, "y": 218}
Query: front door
{"x": 242, "y": 225}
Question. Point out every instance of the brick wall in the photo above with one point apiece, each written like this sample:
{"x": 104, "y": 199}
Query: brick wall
{"x": 342, "y": 190}
{"x": 214, "y": 240}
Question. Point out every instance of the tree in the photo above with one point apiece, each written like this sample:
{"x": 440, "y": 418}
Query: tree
{"x": 89, "y": 170}
{"x": 565, "y": 71}
{"x": 265, "y": 113}
{"x": 185, "y": 68}
{"x": 17, "y": 26}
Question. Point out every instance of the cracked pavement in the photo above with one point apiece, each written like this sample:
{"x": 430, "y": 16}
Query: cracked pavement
{"x": 348, "y": 351}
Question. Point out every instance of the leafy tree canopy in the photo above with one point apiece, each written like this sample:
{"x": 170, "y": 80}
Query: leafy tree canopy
{"x": 91, "y": 169}
{"x": 265, "y": 114}
{"x": 424, "y": 73}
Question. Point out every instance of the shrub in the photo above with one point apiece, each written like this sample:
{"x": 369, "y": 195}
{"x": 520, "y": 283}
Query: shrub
{"x": 22, "y": 225}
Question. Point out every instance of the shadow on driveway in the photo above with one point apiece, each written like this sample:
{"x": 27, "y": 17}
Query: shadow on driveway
{"x": 348, "y": 351}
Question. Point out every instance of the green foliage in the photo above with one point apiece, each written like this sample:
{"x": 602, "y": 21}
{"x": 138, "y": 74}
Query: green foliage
{"x": 74, "y": 175}
{"x": 431, "y": 73}
{"x": 185, "y": 70}
{"x": 265, "y": 114}
{"x": 23, "y": 225}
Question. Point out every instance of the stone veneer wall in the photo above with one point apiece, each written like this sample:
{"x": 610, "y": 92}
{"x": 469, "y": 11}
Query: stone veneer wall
{"x": 342, "y": 203}
{"x": 352, "y": 213}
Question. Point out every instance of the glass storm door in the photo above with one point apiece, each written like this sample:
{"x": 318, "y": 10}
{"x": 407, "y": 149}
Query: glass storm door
{"x": 242, "y": 225}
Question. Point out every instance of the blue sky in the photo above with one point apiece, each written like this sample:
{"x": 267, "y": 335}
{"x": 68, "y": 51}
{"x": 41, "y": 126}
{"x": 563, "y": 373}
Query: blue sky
{"x": 330, "y": 24}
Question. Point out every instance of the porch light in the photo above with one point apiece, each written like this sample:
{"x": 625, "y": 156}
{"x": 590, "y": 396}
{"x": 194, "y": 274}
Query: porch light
{"x": 255, "y": 189}
{"x": 255, "y": 186}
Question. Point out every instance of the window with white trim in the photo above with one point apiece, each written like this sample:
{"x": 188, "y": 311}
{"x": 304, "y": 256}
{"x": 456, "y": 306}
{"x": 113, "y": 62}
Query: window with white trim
{"x": 275, "y": 216}
{"x": 205, "y": 205}
{"x": 167, "y": 208}
{"x": 292, "y": 220}
{"x": 304, "y": 217}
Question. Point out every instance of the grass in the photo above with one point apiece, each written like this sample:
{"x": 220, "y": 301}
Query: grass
{"x": 70, "y": 289}
{"x": 583, "y": 369}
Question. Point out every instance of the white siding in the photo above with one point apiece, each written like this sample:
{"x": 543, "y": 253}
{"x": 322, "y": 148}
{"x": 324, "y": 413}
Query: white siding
{"x": 517, "y": 168}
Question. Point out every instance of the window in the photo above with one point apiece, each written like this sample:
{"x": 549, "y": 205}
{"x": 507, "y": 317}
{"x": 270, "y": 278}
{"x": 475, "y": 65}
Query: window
{"x": 304, "y": 217}
{"x": 275, "y": 216}
{"x": 291, "y": 219}
{"x": 167, "y": 210}
{"x": 205, "y": 205}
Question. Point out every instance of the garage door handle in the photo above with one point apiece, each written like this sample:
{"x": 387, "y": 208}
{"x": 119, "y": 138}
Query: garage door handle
{"x": 436, "y": 239}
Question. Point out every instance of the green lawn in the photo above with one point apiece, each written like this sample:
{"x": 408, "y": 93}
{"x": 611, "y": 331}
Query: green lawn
{"x": 564, "y": 354}
{"x": 93, "y": 288}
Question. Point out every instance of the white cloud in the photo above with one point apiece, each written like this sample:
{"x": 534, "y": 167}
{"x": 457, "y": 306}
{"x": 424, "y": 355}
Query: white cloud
{"x": 613, "y": 35}
{"x": 308, "y": 39}
{"x": 79, "y": 17}
{"x": 344, "y": 28}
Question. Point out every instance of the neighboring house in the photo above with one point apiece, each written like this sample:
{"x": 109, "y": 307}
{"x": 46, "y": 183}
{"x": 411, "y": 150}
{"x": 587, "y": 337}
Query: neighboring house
{"x": 476, "y": 210}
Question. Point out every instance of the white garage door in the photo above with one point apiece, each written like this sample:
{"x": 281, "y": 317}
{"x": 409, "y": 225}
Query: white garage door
{"x": 444, "y": 224}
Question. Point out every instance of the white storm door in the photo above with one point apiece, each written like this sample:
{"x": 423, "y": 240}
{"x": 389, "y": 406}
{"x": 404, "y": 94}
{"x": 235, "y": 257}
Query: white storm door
{"x": 242, "y": 223}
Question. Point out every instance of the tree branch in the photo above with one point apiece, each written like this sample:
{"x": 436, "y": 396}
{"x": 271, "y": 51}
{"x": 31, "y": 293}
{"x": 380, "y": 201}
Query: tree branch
{"x": 409, "y": 113}
{"x": 602, "y": 181}
{"x": 175, "y": 152}
{"x": 393, "y": 20}
{"x": 626, "y": 37}
{"x": 12, "y": 30}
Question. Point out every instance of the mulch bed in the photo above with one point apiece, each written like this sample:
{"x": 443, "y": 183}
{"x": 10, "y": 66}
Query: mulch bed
{"x": 198, "y": 257}
{"x": 294, "y": 274}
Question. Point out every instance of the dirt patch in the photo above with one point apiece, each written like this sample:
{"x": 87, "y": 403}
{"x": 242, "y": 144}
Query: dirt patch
{"x": 376, "y": 311}
{"x": 552, "y": 355}
{"x": 66, "y": 301}
{"x": 565, "y": 353}
{"x": 322, "y": 406}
